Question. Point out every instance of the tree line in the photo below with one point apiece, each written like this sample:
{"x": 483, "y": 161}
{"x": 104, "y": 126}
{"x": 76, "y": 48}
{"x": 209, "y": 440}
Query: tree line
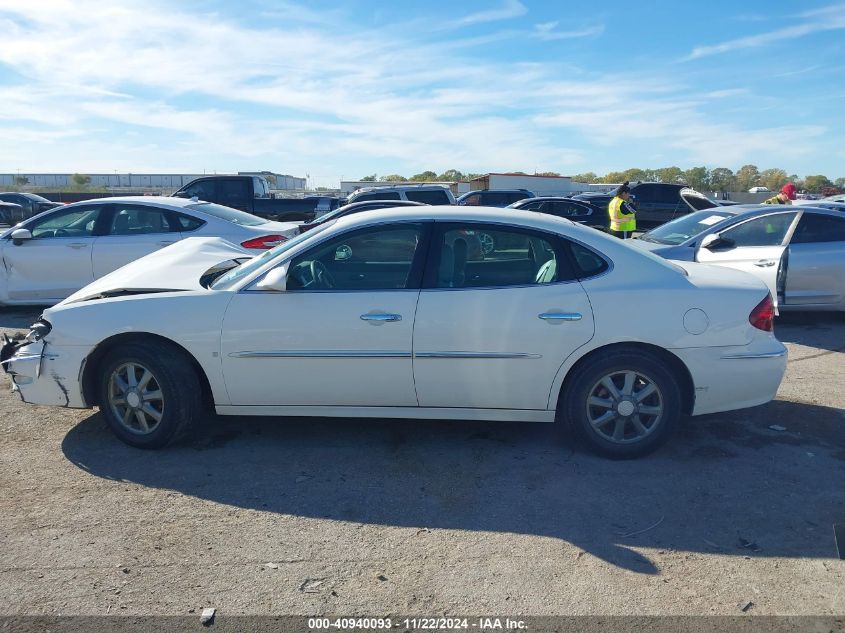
{"x": 701, "y": 178}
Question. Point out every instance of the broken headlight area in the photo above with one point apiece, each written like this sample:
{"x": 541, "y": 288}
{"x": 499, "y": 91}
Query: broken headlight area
{"x": 38, "y": 330}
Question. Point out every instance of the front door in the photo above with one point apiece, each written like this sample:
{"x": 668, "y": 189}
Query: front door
{"x": 755, "y": 246}
{"x": 56, "y": 262}
{"x": 494, "y": 326}
{"x": 340, "y": 335}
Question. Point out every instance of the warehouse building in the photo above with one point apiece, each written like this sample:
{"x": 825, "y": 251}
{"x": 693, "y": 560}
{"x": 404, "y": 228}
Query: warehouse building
{"x": 135, "y": 181}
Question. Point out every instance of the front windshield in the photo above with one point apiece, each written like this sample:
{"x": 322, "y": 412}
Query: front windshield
{"x": 230, "y": 278}
{"x": 681, "y": 229}
{"x": 227, "y": 213}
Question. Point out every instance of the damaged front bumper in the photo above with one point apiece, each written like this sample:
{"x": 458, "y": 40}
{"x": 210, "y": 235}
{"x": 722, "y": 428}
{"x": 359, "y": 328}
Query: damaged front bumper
{"x": 43, "y": 374}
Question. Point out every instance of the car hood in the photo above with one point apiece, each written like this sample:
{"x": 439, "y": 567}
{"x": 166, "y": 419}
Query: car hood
{"x": 174, "y": 268}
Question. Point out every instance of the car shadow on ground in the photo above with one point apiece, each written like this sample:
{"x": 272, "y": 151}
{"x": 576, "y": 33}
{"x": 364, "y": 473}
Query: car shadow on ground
{"x": 724, "y": 484}
{"x": 824, "y": 330}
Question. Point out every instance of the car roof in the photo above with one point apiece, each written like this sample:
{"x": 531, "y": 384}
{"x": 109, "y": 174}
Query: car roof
{"x": 159, "y": 201}
{"x": 552, "y": 198}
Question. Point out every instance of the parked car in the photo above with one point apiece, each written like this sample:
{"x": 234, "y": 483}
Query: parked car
{"x": 56, "y": 253}
{"x": 426, "y": 194}
{"x": 251, "y": 194}
{"x": 357, "y": 207}
{"x": 11, "y": 214}
{"x": 31, "y": 203}
{"x": 556, "y": 330}
{"x": 759, "y": 190}
{"x": 573, "y": 210}
{"x": 839, "y": 198}
{"x": 799, "y": 252}
{"x": 494, "y": 197}
{"x": 655, "y": 202}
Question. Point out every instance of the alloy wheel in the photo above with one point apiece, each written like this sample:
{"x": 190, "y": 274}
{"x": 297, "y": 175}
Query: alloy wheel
{"x": 624, "y": 407}
{"x": 135, "y": 398}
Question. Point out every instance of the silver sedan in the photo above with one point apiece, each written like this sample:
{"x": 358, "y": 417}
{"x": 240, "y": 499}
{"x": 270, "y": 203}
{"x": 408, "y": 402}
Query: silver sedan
{"x": 799, "y": 251}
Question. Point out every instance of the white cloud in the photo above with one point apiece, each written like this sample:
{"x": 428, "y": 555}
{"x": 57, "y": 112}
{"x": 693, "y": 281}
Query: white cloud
{"x": 209, "y": 92}
{"x": 509, "y": 9}
{"x": 826, "y": 19}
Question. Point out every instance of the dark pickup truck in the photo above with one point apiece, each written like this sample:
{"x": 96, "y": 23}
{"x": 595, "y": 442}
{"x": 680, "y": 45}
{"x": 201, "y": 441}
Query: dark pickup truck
{"x": 252, "y": 194}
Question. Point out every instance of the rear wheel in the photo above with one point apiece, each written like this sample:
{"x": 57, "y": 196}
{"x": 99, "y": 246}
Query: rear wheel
{"x": 623, "y": 404}
{"x": 149, "y": 393}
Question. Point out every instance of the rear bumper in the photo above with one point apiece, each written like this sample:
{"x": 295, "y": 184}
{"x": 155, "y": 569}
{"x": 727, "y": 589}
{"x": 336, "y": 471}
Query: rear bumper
{"x": 729, "y": 378}
{"x": 43, "y": 374}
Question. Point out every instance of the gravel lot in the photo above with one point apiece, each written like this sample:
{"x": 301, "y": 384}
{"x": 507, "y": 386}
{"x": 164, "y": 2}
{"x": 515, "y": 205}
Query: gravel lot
{"x": 407, "y": 517}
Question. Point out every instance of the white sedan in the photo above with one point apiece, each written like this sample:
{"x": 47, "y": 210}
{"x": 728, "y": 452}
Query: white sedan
{"x": 58, "y": 252}
{"x": 389, "y": 313}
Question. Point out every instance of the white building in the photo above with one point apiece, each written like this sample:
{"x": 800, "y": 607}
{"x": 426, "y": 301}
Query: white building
{"x": 539, "y": 185}
{"x": 134, "y": 181}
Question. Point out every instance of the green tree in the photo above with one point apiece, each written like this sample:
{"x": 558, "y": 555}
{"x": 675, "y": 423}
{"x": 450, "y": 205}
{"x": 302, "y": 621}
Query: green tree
{"x": 698, "y": 178}
{"x": 424, "y": 176}
{"x": 20, "y": 181}
{"x": 371, "y": 178}
{"x": 81, "y": 180}
{"x": 271, "y": 179}
{"x": 747, "y": 176}
{"x": 393, "y": 178}
{"x": 815, "y": 184}
{"x": 840, "y": 182}
{"x": 722, "y": 179}
{"x": 547, "y": 173}
{"x": 451, "y": 175}
{"x": 588, "y": 177}
{"x": 635, "y": 174}
{"x": 773, "y": 179}
{"x": 613, "y": 177}
{"x": 672, "y": 175}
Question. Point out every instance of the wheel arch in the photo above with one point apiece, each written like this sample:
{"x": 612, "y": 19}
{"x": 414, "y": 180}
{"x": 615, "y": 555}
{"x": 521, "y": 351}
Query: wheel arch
{"x": 91, "y": 366}
{"x": 678, "y": 368}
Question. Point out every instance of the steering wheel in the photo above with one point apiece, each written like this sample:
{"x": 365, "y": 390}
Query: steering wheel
{"x": 321, "y": 275}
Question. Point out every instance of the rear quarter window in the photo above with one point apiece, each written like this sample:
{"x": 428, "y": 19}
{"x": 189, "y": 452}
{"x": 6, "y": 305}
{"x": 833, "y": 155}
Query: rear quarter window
{"x": 587, "y": 262}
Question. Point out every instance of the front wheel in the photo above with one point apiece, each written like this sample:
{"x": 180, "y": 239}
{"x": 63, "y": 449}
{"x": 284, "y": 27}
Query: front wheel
{"x": 623, "y": 404}
{"x": 149, "y": 393}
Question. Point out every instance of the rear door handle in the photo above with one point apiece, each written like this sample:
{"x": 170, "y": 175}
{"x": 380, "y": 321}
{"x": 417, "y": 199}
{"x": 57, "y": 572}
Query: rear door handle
{"x": 557, "y": 317}
{"x": 765, "y": 263}
{"x": 78, "y": 245}
{"x": 381, "y": 318}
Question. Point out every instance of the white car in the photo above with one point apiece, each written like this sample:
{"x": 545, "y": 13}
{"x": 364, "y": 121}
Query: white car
{"x": 54, "y": 254}
{"x": 759, "y": 190}
{"x": 389, "y": 313}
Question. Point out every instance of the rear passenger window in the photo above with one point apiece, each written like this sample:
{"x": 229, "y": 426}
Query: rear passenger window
{"x": 588, "y": 263}
{"x": 188, "y": 224}
{"x": 478, "y": 256}
{"x": 814, "y": 227}
{"x": 428, "y": 197}
{"x": 138, "y": 220}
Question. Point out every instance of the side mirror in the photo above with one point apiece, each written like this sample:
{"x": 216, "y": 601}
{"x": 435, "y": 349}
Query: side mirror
{"x": 342, "y": 253}
{"x": 19, "y": 236}
{"x": 274, "y": 281}
{"x": 714, "y": 241}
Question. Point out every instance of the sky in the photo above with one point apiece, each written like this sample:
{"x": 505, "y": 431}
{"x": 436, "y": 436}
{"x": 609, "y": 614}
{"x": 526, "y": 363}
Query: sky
{"x": 345, "y": 89}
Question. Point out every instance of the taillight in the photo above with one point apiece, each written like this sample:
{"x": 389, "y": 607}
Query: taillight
{"x": 265, "y": 241}
{"x": 763, "y": 316}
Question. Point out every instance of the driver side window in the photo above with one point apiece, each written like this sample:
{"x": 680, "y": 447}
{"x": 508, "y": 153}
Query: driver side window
{"x": 768, "y": 230}
{"x": 375, "y": 258}
{"x": 75, "y": 222}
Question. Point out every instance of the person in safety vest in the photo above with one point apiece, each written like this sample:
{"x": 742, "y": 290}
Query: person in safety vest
{"x": 785, "y": 196}
{"x": 623, "y": 221}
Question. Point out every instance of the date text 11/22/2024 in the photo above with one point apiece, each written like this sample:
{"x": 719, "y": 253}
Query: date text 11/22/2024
{"x": 417, "y": 624}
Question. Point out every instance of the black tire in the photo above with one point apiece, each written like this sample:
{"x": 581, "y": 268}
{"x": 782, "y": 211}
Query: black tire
{"x": 647, "y": 368}
{"x": 174, "y": 377}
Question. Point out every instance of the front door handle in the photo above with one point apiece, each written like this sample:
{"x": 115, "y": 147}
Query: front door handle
{"x": 557, "y": 317}
{"x": 765, "y": 263}
{"x": 381, "y": 317}
{"x": 165, "y": 243}
{"x": 78, "y": 245}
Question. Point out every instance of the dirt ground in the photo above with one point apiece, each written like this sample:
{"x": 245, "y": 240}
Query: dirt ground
{"x": 301, "y": 516}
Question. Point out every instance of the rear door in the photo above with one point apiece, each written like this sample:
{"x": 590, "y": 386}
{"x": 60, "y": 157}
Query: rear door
{"x": 132, "y": 231}
{"x": 815, "y": 270}
{"x": 755, "y": 246}
{"x": 235, "y": 193}
{"x": 56, "y": 262}
{"x": 493, "y": 328}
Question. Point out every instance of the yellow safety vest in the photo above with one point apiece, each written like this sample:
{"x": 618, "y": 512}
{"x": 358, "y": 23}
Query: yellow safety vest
{"x": 776, "y": 200}
{"x": 620, "y": 221}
